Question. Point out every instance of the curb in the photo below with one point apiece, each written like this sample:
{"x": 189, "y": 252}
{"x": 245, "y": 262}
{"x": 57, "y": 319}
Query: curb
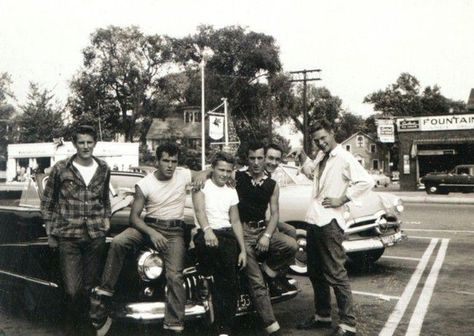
{"x": 437, "y": 200}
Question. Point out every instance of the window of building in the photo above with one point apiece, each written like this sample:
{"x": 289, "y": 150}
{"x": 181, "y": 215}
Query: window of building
{"x": 375, "y": 164}
{"x": 348, "y": 148}
{"x": 373, "y": 148}
{"x": 360, "y": 141}
{"x": 192, "y": 116}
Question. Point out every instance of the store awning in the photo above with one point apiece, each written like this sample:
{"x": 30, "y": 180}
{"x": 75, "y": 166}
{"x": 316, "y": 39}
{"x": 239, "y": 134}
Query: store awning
{"x": 443, "y": 141}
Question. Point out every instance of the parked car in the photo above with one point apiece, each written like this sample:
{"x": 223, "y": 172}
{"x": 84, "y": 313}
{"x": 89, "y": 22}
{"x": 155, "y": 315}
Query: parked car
{"x": 29, "y": 268}
{"x": 460, "y": 179}
{"x": 371, "y": 227}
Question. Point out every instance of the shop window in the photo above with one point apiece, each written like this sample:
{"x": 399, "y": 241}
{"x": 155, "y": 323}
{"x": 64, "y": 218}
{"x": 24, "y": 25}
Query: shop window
{"x": 360, "y": 141}
{"x": 375, "y": 164}
{"x": 373, "y": 148}
{"x": 348, "y": 148}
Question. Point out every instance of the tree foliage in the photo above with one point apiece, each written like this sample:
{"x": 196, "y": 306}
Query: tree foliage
{"x": 405, "y": 97}
{"x": 119, "y": 80}
{"x": 6, "y": 112}
{"x": 41, "y": 120}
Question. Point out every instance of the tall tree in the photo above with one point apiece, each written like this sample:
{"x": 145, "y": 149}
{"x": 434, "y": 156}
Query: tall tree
{"x": 119, "y": 79}
{"x": 238, "y": 69}
{"x": 405, "y": 97}
{"x": 6, "y": 112}
{"x": 42, "y": 119}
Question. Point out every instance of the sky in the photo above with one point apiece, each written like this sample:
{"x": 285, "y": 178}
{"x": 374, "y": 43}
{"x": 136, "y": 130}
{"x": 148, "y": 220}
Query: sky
{"x": 361, "y": 46}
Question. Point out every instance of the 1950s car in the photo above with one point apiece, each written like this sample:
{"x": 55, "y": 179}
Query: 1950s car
{"x": 460, "y": 179}
{"x": 29, "y": 268}
{"x": 370, "y": 228}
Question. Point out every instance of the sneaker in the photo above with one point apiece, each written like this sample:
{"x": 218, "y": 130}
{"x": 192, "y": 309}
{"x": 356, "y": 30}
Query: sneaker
{"x": 99, "y": 312}
{"x": 312, "y": 323}
{"x": 279, "y": 286}
{"x": 341, "y": 332}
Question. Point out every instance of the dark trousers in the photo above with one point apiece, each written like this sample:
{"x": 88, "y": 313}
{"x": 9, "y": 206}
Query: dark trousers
{"x": 80, "y": 262}
{"x": 326, "y": 258}
{"x": 221, "y": 263}
{"x": 129, "y": 241}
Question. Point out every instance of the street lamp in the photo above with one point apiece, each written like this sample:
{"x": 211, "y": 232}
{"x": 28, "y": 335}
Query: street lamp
{"x": 206, "y": 53}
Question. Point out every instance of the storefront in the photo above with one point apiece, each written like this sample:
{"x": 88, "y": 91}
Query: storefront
{"x": 433, "y": 144}
{"x": 27, "y": 158}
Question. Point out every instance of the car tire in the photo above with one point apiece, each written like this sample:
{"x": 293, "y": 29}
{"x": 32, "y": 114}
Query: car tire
{"x": 365, "y": 258}
{"x": 300, "y": 266}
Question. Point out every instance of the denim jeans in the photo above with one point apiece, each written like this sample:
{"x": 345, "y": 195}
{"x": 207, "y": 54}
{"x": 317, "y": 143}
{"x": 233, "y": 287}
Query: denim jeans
{"x": 221, "y": 263}
{"x": 130, "y": 241}
{"x": 79, "y": 261}
{"x": 280, "y": 254}
{"x": 326, "y": 258}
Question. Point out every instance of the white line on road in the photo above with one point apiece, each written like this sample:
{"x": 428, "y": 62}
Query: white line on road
{"x": 423, "y": 237}
{"x": 434, "y": 230}
{"x": 401, "y": 258}
{"x": 464, "y": 292}
{"x": 416, "y": 321}
{"x": 402, "y": 304}
{"x": 379, "y": 296}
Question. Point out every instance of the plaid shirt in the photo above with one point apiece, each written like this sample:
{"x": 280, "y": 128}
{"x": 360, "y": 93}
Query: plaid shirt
{"x": 69, "y": 207}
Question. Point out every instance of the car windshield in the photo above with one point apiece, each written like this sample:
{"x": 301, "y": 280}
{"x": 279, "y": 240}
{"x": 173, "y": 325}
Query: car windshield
{"x": 289, "y": 175}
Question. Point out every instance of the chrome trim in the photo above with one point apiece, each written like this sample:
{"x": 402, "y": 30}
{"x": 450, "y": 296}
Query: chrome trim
{"x": 360, "y": 228}
{"x": 27, "y": 278}
{"x": 371, "y": 243}
{"x": 140, "y": 265}
{"x": 155, "y": 311}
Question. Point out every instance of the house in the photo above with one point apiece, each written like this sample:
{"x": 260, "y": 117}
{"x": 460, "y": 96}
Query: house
{"x": 184, "y": 128}
{"x": 371, "y": 154}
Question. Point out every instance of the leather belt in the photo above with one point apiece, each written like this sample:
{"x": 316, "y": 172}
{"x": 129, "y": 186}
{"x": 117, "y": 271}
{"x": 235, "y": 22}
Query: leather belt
{"x": 165, "y": 222}
{"x": 256, "y": 224}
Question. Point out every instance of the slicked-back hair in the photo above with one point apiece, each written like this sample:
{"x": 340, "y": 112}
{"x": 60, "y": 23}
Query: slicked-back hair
{"x": 170, "y": 148}
{"x": 321, "y": 124}
{"x": 223, "y": 156}
{"x": 275, "y": 147}
{"x": 255, "y": 145}
{"x": 84, "y": 129}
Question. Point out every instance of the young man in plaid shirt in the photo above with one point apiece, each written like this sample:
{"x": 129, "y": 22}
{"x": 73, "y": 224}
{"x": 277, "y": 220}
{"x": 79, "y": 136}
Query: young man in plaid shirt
{"x": 76, "y": 212}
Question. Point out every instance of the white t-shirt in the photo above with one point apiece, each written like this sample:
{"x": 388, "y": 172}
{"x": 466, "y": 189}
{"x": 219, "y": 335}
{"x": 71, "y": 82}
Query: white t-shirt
{"x": 87, "y": 172}
{"x": 165, "y": 199}
{"x": 218, "y": 202}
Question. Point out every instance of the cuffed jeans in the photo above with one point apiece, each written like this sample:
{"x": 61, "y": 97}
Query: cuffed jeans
{"x": 221, "y": 263}
{"x": 326, "y": 258}
{"x": 79, "y": 261}
{"x": 130, "y": 241}
{"x": 280, "y": 254}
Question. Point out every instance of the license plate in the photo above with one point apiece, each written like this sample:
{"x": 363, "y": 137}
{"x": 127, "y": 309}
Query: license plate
{"x": 243, "y": 302}
{"x": 392, "y": 239}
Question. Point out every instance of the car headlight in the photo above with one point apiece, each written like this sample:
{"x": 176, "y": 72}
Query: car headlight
{"x": 399, "y": 206}
{"x": 150, "y": 265}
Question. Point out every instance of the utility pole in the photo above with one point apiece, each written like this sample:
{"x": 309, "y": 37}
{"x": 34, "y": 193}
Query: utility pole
{"x": 305, "y": 79}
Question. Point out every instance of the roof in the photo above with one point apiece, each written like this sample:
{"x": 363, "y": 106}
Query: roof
{"x": 169, "y": 127}
{"x": 358, "y": 133}
{"x": 470, "y": 101}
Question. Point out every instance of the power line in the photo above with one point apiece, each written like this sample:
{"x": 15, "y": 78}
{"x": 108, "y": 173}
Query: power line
{"x": 305, "y": 79}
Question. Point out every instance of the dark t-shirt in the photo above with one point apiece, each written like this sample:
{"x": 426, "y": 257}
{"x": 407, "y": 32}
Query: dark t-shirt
{"x": 253, "y": 199}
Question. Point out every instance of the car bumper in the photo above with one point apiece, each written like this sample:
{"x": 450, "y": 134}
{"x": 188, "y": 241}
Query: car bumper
{"x": 153, "y": 312}
{"x": 373, "y": 243}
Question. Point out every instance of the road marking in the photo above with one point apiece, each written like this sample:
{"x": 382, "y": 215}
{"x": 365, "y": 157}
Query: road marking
{"x": 416, "y": 321}
{"x": 434, "y": 230}
{"x": 423, "y": 237}
{"x": 402, "y": 304}
{"x": 463, "y": 292}
{"x": 401, "y": 258}
{"x": 412, "y": 223}
{"x": 379, "y": 296}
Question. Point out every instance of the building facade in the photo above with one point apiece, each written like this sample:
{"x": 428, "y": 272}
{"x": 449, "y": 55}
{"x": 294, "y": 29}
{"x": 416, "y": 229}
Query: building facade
{"x": 433, "y": 144}
{"x": 372, "y": 155}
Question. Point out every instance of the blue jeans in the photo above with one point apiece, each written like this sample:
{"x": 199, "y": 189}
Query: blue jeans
{"x": 326, "y": 258}
{"x": 79, "y": 261}
{"x": 279, "y": 256}
{"x": 130, "y": 241}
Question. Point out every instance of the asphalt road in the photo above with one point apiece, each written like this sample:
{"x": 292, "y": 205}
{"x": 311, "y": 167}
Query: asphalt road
{"x": 421, "y": 287}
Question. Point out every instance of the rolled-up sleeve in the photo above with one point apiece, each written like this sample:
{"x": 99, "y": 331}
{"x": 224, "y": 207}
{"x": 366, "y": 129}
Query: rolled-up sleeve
{"x": 360, "y": 181}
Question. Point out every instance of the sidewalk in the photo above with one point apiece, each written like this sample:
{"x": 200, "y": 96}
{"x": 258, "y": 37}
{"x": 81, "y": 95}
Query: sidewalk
{"x": 420, "y": 196}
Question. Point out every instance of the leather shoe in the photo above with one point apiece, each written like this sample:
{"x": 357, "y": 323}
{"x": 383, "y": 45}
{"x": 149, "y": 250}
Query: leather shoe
{"x": 312, "y": 323}
{"x": 341, "y": 332}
